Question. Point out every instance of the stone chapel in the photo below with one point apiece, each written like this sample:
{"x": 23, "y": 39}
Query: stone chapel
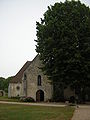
{"x": 31, "y": 82}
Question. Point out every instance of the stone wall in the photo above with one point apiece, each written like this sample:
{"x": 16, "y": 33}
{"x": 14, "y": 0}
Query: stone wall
{"x": 32, "y": 73}
{"x": 2, "y": 93}
{"x": 14, "y": 89}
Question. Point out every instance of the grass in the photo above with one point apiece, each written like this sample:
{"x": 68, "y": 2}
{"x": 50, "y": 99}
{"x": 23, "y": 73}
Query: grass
{"x": 22, "y": 112}
{"x": 5, "y": 98}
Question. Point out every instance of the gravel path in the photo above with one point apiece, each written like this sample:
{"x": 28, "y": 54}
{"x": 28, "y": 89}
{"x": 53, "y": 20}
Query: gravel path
{"x": 35, "y": 104}
{"x": 82, "y": 113}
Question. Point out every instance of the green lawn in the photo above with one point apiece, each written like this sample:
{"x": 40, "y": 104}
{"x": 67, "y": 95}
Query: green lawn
{"x": 5, "y": 98}
{"x": 22, "y": 112}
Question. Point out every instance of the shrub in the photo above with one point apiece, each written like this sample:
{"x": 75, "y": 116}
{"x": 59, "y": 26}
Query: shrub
{"x": 22, "y": 99}
{"x": 27, "y": 99}
{"x": 72, "y": 99}
{"x": 17, "y": 97}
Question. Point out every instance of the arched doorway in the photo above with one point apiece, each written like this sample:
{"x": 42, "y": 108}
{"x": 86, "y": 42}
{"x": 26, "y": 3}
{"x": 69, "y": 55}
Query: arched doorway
{"x": 39, "y": 96}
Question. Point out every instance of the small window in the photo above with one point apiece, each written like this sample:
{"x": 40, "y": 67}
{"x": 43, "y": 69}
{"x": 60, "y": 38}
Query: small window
{"x": 18, "y": 88}
{"x": 25, "y": 76}
{"x": 39, "y": 80}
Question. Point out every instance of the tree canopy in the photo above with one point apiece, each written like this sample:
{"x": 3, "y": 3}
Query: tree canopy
{"x": 63, "y": 43}
{"x": 4, "y": 83}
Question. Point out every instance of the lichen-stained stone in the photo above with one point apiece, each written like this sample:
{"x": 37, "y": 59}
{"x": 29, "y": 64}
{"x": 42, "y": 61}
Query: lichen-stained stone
{"x": 30, "y": 81}
{"x": 30, "y": 84}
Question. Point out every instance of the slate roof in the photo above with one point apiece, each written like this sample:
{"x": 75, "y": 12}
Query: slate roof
{"x": 18, "y": 77}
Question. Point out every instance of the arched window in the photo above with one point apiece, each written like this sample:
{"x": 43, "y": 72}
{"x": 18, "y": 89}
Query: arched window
{"x": 25, "y": 76}
{"x": 39, "y": 80}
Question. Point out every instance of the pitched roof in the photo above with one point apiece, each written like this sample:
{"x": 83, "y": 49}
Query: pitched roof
{"x": 18, "y": 77}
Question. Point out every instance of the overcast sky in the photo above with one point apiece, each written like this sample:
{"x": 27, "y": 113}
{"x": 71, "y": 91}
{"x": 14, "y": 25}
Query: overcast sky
{"x": 18, "y": 31}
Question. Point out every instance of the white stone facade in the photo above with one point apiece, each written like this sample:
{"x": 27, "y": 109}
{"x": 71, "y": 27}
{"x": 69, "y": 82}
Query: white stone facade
{"x": 14, "y": 89}
{"x": 30, "y": 83}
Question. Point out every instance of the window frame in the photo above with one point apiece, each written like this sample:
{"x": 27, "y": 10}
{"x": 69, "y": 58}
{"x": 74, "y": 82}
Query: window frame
{"x": 39, "y": 80}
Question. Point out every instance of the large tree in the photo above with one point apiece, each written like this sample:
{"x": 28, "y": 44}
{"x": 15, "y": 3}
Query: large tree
{"x": 63, "y": 43}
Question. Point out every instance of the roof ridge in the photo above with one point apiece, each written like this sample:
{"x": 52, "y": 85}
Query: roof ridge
{"x": 18, "y": 76}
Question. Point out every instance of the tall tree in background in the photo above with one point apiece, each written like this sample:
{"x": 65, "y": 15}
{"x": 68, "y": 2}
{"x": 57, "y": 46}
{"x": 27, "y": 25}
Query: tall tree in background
{"x": 63, "y": 43}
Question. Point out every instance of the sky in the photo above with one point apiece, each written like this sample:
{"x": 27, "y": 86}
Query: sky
{"x": 18, "y": 32}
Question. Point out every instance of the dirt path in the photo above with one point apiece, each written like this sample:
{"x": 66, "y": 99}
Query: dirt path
{"x": 35, "y": 104}
{"x": 82, "y": 113}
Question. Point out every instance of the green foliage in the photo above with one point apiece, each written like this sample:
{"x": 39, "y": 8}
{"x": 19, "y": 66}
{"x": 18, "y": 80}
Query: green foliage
{"x": 27, "y": 99}
{"x": 63, "y": 43}
{"x": 4, "y": 83}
